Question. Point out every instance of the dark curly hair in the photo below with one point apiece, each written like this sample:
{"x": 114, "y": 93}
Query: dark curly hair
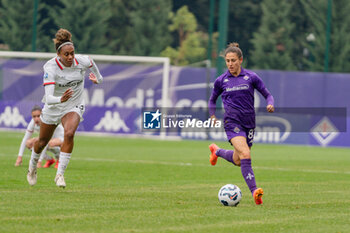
{"x": 62, "y": 36}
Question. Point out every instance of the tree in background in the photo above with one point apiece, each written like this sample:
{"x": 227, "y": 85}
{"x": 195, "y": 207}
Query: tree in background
{"x": 244, "y": 20}
{"x": 48, "y": 26}
{"x": 16, "y": 24}
{"x": 271, "y": 33}
{"x": 315, "y": 46}
{"x": 192, "y": 43}
{"x": 340, "y": 37}
{"x": 87, "y": 21}
{"x": 273, "y": 41}
{"x": 299, "y": 35}
{"x": 339, "y": 51}
{"x": 140, "y": 27}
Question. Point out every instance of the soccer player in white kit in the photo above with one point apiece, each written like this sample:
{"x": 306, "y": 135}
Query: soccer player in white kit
{"x": 53, "y": 145}
{"x": 64, "y": 102}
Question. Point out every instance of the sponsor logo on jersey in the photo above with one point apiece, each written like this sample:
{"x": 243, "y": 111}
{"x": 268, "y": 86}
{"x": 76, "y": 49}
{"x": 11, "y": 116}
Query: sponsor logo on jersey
{"x": 46, "y": 75}
{"x": 11, "y": 117}
{"x": 71, "y": 84}
{"x": 238, "y": 88}
{"x": 225, "y": 80}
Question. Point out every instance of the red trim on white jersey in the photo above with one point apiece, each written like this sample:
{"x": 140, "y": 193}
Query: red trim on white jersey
{"x": 90, "y": 63}
{"x": 76, "y": 61}
{"x": 58, "y": 63}
{"x": 49, "y": 83}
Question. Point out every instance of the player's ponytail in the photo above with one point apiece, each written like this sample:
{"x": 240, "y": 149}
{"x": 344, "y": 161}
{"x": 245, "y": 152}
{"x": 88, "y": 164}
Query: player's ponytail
{"x": 233, "y": 47}
{"x": 62, "y": 37}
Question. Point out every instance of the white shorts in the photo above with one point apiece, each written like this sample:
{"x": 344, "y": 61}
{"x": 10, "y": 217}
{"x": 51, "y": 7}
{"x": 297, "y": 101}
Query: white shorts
{"x": 51, "y": 117}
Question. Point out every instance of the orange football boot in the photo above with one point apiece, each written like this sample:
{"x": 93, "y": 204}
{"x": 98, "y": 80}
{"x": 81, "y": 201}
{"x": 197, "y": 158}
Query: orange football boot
{"x": 213, "y": 157}
{"x": 49, "y": 163}
{"x": 56, "y": 165}
{"x": 257, "y": 195}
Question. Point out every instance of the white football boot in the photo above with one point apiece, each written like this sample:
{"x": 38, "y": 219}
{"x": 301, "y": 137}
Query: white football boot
{"x": 59, "y": 180}
{"x": 31, "y": 176}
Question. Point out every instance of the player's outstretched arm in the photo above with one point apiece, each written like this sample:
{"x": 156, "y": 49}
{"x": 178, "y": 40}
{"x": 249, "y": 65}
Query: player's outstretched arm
{"x": 95, "y": 76}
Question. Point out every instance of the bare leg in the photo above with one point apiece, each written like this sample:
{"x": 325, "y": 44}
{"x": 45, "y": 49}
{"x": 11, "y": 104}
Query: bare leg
{"x": 45, "y": 135}
{"x": 55, "y": 142}
{"x": 242, "y": 155}
{"x": 46, "y": 132}
{"x": 30, "y": 142}
{"x": 70, "y": 123}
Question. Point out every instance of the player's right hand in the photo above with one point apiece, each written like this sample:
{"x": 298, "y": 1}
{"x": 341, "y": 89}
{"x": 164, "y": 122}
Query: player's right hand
{"x": 213, "y": 118}
{"x": 66, "y": 95}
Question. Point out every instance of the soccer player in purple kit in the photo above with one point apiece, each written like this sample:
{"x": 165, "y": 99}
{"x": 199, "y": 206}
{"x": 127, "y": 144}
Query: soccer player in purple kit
{"x": 236, "y": 87}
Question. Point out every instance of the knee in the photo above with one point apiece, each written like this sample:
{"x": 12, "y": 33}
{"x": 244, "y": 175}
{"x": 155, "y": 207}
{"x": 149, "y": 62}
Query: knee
{"x": 68, "y": 135}
{"x": 237, "y": 162}
{"x": 29, "y": 145}
{"x": 50, "y": 144}
{"x": 41, "y": 143}
{"x": 244, "y": 154}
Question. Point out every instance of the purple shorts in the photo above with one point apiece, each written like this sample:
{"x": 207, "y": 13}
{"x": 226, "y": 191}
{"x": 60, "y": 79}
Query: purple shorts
{"x": 233, "y": 130}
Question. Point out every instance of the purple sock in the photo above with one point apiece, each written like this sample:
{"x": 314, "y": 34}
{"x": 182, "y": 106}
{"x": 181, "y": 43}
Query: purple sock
{"x": 225, "y": 154}
{"x": 248, "y": 174}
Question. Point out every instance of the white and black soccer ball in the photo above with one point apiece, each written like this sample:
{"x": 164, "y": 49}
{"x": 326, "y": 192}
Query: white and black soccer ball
{"x": 230, "y": 195}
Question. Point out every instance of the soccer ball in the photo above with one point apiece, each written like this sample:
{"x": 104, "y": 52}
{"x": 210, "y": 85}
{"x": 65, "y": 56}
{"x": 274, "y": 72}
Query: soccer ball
{"x": 230, "y": 195}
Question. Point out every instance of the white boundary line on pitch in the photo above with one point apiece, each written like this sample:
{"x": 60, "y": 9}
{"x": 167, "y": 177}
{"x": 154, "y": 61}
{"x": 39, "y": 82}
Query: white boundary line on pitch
{"x": 202, "y": 165}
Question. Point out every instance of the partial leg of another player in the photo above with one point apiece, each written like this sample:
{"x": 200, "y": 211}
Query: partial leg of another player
{"x": 46, "y": 132}
{"x": 55, "y": 148}
{"x": 56, "y": 151}
{"x": 45, "y": 156}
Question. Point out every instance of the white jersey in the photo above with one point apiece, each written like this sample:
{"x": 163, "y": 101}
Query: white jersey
{"x": 63, "y": 78}
{"x": 32, "y": 127}
{"x": 66, "y": 77}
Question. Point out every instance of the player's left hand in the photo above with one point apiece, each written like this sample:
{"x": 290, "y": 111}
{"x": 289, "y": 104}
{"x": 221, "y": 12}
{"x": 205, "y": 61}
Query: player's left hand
{"x": 270, "y": 108}
{"x": 93, "y": 78}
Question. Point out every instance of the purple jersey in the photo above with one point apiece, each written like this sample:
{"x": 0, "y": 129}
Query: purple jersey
{"x": 237, "y": 95}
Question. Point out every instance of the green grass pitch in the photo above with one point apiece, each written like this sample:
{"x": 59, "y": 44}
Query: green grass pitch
{"x": 136, "y": 185}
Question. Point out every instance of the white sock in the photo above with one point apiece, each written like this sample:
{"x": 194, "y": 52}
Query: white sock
{"x": 44, "y": 157}
{"x": 33, "y": 160}
{"x": 62, "y": 165}
{"x": 56, "y": 150}
{"x": 43, "y": 154}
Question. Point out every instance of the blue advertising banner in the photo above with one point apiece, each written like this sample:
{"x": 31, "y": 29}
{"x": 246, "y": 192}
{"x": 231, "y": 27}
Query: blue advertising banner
{"x": 116, "y": 105}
